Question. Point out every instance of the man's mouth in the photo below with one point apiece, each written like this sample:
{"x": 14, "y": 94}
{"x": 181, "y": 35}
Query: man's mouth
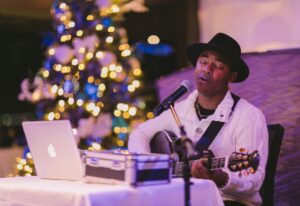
{"x": 204, "y": 77}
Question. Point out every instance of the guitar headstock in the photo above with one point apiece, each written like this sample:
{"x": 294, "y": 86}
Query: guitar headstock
{"x": 239, "y": 161}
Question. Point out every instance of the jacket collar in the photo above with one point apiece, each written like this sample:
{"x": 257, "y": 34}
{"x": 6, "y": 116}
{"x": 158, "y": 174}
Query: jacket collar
{"x": 221, "y": 114}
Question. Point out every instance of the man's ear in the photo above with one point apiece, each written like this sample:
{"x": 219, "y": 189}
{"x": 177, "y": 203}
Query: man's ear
{"x": 232, "y": 77}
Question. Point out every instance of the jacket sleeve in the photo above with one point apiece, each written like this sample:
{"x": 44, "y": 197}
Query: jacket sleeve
{"x": 139, "y": 139}
{"x": 251, "y": 135}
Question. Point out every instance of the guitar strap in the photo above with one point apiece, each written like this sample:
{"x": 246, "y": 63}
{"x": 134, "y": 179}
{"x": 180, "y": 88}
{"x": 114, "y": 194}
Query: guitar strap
{"x": 213, "y": 130}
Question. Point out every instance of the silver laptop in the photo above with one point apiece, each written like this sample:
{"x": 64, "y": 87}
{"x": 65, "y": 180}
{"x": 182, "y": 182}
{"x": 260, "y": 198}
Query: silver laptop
{"x": 53, "y": 149}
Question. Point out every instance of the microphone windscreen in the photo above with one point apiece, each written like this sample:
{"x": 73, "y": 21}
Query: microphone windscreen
{"x": 188, "y": 85}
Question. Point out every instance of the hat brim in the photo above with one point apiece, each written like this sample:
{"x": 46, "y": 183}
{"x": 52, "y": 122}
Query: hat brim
{"x": 238, "y": 64}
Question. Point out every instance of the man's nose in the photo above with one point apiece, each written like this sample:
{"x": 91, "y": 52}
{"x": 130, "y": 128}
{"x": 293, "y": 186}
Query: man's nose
{"x": 208, "y": 68}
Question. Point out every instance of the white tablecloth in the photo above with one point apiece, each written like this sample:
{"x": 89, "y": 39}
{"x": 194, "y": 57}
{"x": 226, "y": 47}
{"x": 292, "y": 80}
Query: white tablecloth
{"x": 33, "y": 191}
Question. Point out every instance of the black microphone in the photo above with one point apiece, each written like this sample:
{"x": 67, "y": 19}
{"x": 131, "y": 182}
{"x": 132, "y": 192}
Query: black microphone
{"x": 185, "y": 86}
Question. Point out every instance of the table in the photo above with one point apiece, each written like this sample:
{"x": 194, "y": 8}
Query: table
{"x": 33, "y": 191}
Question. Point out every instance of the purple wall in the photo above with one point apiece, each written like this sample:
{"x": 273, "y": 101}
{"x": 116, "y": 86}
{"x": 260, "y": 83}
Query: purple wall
{"x": 274, "y": 87}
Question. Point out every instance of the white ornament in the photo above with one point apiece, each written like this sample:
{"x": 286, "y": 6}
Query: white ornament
{"x": 108, "y": 58}
{"x": 103, "y": 125}
{"x": 41, "y": 90}
{"x": 89, "y": 43}
{"x": 85, "y": 127}
{"x": 25, "y": 94}
{"x": 63, "y": 54}
{"x": 103, "y": 3}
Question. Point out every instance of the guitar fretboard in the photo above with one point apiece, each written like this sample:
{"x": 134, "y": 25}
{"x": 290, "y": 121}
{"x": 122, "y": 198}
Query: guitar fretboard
{"x": 212, "y": 164}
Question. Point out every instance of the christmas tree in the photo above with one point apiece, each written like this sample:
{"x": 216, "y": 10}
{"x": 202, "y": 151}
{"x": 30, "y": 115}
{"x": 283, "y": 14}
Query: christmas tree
{"x": 90, "y": 75}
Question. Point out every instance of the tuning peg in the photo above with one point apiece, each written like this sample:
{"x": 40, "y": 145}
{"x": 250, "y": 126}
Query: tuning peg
{"x": 240, "y": 165}
{"x": 242, "y": 150}
{"x": 246, "y": 173}
{"x": 233, "y": 167}
{"x": 246, "y": 163}
{"x": 251, "y": 170}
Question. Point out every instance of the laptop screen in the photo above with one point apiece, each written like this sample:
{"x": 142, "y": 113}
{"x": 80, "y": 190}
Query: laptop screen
{"x": 53, "y": 149}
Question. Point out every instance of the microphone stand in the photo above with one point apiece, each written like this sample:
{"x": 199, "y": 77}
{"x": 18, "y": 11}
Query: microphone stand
{"x": 186, "y": 148}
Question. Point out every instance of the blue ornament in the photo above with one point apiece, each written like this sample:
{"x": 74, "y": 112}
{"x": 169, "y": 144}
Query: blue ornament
{"x": 68, "y": 86}
{"x": 91, "y": 91}
{"x": 56, "y": 8}
{"x": 48, "y": 39}
{"x": 48, "y": 63}
{"x": 106, "y": 22}
{"x": 122, "y": 136}
{"x": 25, "y": 151}
{"x": 60, "y": 29}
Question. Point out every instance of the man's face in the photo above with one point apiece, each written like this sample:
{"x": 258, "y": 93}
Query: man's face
{"x": 212, "y": 74}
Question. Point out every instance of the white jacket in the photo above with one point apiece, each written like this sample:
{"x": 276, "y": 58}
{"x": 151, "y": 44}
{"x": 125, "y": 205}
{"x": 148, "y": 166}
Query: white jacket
{"x": 245, "y": 128}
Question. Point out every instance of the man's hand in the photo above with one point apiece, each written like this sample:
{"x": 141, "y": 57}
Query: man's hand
{"x": 200, "y": 171}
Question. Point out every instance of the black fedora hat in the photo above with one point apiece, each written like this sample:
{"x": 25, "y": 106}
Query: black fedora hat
{"x": 226, "y": 46}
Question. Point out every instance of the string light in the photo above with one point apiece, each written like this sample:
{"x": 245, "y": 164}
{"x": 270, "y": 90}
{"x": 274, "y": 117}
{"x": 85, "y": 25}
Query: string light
{"x": 136, "y": 83}
{"x": 54, "y": 88}
{"x": 79, "y": 102}
{"x": 90, "y": 106}
{"x": 60, "y": 92}
{"x": 114, "y": 8}
{"x": 57, "y": 67}
{"x": 81, "y": 50}
{"x": 99, "y": 27}
{"x": 57, "y": 116}
{"x": 111, "y": 29}
{"x": 113, "y": 75}
{"x": 46, "y": 74}
{"x": 63, "y": 6}
{"x": 81, "y": 66}
{"x": 71, "y": 101}
{"x": 90, "y": 79}
{"x": 51, "y": 51}
{"x": 126, "y": 115}
{"x": 153, "y": 39}
{"x": 126, "y": 53}
{"x": 150, "y": 115}
{"x": 131, "y": 88}
{"x": 65, "y": 69}
{"x": 79, "y": 33}
{"x": 137, "y": 72}
{"x": 74, "y": 62}
{"x": 90, "y": 17}
{"x": 61, "y": 103}
{"x": 117, "y": 113}
{"x": 51, "y": 116}
{"x": 123, "y": 47}
{"x": 132, "y": 111}
{"x": 120, "y": 143}
{"x": 102, "y": 87}
{"x": 109, "y": 39}
{"x": 99, "y": 54}
{"x": 89, "y": 55}
{"x": 71, "y": 24}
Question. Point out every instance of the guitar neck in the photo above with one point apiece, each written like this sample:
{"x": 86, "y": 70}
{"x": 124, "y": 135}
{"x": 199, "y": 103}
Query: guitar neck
{"x": 212, "y": 164}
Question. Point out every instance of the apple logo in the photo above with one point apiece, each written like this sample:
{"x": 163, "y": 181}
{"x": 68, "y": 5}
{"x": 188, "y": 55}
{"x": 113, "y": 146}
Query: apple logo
{"x": 51, "y": 151}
